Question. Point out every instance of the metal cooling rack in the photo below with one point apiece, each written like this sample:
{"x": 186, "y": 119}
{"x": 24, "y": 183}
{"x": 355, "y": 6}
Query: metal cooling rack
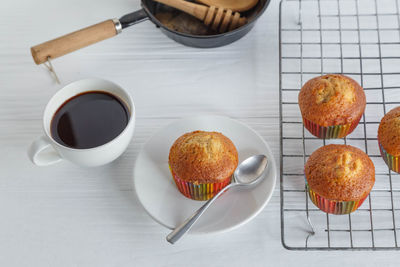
{"x": 361, "y": 39}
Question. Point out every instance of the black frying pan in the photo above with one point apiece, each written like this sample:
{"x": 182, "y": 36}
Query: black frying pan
{"x": 150, "y": 10}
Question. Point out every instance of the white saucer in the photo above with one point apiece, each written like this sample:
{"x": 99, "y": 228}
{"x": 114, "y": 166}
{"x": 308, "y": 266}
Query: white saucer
{"x": 161, "y": 199}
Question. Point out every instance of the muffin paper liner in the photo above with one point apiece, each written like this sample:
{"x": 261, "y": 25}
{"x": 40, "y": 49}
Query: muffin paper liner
{"x": 334, "y": 207}
{"x": 199, "y": 191}
{"x": 330, "y": 132}
{"x": 391, "y": 161}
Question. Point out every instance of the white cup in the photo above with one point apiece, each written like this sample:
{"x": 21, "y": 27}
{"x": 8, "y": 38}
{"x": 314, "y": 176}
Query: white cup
{"x": 46, "y": 151}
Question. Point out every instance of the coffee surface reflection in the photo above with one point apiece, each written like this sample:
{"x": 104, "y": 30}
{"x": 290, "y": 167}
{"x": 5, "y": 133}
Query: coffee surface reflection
{"x": 89, "y": 120}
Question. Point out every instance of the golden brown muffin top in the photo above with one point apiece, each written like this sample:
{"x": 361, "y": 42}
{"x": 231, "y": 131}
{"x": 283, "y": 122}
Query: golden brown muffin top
{"x": 340, "y": 172}
{"x": 389, "y": 132}
{"x": 332, "y": 99}
{"x": 203, "y": 157}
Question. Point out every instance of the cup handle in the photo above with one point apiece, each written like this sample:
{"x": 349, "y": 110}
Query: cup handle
{"x": 42, "y": 153}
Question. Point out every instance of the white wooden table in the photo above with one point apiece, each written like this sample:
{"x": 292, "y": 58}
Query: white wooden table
{"x": 65, "y": 215}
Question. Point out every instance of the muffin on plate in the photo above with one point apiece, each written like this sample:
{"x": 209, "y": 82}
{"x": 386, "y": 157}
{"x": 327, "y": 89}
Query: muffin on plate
{"x": 331, "y": 105}
{"x": 339, "y": 178}
{"x": 389, "y": 138}
{"x": 202, "y": 163}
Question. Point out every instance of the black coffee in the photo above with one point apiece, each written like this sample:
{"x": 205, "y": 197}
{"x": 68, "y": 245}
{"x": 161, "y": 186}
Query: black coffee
{"x": 89, "y": 120}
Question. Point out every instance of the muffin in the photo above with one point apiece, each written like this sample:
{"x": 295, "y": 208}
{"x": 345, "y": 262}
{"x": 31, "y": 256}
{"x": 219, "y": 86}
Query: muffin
{"x": 339, "y": 178}
{"x": 202, "y": 163}
{"x": 389, "y": 138}
{"x": 331, "y": 105}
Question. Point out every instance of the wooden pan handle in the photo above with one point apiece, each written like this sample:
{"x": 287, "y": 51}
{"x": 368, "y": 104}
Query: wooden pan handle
{"x": 75, "y": 40}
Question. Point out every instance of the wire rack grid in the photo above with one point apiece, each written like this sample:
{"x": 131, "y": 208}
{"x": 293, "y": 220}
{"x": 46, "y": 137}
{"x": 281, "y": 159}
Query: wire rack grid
{"x": 361, "y": 39}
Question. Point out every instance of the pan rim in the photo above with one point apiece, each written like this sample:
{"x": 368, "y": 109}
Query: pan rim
{"x": 159, "y": 24}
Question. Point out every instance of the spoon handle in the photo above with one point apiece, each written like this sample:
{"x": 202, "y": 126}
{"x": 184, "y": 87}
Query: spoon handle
{"x": 179, "y": 231}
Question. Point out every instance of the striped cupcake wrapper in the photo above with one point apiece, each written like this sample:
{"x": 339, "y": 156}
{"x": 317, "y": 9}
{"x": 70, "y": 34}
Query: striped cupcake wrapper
{"x": 330, "y": 132}
{"x": 334, "y": 207}
{"x": 391, "y": 161}
{"x": 199, "y": 191}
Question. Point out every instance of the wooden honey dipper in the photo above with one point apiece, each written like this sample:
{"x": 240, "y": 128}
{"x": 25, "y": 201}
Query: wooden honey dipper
{"x": 219, "y": 18}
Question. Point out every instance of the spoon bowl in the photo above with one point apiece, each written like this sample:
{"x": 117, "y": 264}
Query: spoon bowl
{"x": 250, "y": 170}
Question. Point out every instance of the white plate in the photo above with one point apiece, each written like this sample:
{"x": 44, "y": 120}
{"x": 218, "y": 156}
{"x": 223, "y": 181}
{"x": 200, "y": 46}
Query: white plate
{"x": 165, "y": 204}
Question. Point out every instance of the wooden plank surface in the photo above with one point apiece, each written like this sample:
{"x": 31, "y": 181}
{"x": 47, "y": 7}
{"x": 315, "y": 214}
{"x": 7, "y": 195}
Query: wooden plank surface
{"x": 65, "y": 215}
